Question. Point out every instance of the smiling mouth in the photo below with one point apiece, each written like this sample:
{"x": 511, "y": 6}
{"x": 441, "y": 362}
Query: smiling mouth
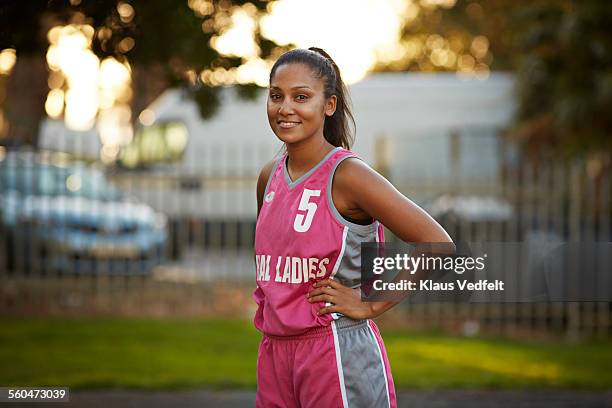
{"x": 286, "y": 124}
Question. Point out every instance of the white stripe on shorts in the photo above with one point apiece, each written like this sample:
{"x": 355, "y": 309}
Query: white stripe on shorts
{"x": 339, "y": 364}
{"x": 382, "y": 361}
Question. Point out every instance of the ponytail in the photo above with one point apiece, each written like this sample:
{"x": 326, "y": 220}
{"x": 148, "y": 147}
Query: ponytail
{"x": 336, "y": 128}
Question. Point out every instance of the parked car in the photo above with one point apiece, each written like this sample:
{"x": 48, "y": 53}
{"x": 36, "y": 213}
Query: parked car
{"x": 68, "y": 218}
{"x": 471, "y": 217}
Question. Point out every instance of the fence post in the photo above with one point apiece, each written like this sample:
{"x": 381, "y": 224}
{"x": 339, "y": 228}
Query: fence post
{"x": 382, "y": 155}
{"x": 574, "y": 236}
{"x": 454, "y": 157}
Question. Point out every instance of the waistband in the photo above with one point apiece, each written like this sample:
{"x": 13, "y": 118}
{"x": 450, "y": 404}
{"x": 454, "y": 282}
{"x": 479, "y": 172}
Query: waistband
{"x": 342, "y": 324}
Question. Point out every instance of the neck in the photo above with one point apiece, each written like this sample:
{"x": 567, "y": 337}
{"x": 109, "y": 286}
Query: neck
{"x": 303, "y": 156}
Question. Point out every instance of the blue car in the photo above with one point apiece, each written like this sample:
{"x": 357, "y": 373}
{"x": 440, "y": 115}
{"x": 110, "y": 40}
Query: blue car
{"x": 68, "y": 218}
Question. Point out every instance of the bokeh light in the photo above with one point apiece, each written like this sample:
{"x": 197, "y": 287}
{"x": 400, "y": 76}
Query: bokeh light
{"x": 115, "y": 129}
{"x": 54, "y": 105}
{"x": 70, "y": 55}
{"x": 359, "y": 34}
{"x": 480, "y": 46}
{"x": 202, "y": 8}
{"x": 147, "y": 117}
{"x": 438, "y": 3}
{"x": 126, "y": 12}
{"x": 8, "y": 58}
{"x": 74, "y": 182}
{"x": 88, "y": 92}
{"x": 237, "y": 39}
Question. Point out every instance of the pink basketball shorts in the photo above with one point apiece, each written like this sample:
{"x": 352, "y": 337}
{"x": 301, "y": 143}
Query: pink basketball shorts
{"x": 342, "y": 365}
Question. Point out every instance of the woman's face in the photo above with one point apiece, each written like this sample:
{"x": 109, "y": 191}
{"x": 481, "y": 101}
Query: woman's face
{"x": 296, "y": 103}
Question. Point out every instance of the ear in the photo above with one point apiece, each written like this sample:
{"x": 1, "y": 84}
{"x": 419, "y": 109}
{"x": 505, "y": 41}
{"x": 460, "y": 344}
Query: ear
{"x": 330, "y": 105}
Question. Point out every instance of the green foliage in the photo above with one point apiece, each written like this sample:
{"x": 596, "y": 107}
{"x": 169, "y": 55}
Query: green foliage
{"x": 16, "y": 28}
{"x": 207, "y": 99}
{"x": 561, "y": 51}
{"x": 164, "y": 33}
{"x": 248, "y": 91}
{"x": 564, "y": 74}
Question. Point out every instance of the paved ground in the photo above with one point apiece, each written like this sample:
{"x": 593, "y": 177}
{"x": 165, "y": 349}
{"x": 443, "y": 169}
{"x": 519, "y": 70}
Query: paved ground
{"x": 412, "y": 399}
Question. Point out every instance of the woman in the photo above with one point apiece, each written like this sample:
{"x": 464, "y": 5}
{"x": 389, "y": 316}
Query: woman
{"x": 316, "y": 204}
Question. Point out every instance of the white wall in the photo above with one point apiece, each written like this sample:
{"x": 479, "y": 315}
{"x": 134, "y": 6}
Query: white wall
{"x": 237, "y": 141}
{"x": 398, "y": 105}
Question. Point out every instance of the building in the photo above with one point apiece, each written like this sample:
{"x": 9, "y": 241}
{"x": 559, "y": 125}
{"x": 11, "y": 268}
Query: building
{"x": 410, "y": 126}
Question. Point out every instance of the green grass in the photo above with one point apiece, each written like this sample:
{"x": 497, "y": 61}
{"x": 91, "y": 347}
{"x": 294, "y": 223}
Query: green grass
{"x": 172, "y": 354}
{"x": 421, "y": 360}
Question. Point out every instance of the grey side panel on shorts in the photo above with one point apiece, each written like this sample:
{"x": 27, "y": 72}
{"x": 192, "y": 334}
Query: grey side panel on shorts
{"x": 363, "y": 369}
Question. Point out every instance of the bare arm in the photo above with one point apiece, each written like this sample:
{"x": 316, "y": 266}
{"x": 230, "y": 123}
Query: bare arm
{"x": 358, "y": 186}
{"x": 360, "y": 191}
{"x": 262, "y": 180}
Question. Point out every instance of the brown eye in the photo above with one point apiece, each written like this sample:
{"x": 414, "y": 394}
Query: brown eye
{"x": 301, "y": 97}
{"x": 274, "y": 97}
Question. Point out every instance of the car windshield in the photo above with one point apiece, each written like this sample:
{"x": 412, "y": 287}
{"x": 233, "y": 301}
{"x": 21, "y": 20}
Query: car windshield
{"x": 50, "y": 180}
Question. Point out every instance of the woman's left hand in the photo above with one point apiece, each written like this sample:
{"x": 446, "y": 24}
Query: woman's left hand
{"x": 343, "y": 300}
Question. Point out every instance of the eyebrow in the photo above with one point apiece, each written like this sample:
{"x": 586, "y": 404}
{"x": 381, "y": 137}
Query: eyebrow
{"x": 295, "y": 87}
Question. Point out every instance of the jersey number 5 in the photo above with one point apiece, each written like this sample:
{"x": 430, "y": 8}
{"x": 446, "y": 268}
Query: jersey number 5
{"x": 302, "y": 222}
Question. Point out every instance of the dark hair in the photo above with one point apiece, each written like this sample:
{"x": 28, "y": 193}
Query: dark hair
{"x": 336, "y": 128}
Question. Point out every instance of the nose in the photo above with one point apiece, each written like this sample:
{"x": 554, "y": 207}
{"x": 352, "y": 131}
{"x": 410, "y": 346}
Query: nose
{"x": 285, "y": 108}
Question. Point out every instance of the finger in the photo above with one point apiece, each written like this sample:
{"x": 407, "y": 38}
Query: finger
{"x": 328, "y": 282}
{"x": 335, "y": 284}
{"x": 328, "y": 309}
{"x": 318, "y": 284}
{"x": 324, "y": 290}
{"x": 321, "y": 298}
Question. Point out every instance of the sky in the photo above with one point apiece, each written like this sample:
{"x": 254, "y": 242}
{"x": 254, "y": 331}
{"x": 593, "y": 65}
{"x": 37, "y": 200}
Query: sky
{"x": 356, "y": 33}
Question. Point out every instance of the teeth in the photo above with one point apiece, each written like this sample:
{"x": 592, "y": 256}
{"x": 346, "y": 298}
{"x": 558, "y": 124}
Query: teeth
{"x": 287, "y": 125}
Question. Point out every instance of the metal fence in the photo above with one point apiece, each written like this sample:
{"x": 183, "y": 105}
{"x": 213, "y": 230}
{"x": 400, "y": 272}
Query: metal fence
{"x": 205, "y": 265}
{"x": 519, "y": 201}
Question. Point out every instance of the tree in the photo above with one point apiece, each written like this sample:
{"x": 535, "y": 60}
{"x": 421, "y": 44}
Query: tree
{"x": 560, "y": 50}
{"x": 164, "y": 41}
{"x": 564, "y": 76}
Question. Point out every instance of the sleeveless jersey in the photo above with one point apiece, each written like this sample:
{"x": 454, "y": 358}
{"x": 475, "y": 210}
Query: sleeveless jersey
{"x": 301, "y": 238}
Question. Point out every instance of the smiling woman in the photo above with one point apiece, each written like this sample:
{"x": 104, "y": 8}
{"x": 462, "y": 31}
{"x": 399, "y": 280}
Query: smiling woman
{"x": 311, "y": 104}
{"x": 316, "y": 204}
{"x": 295, "y": 112}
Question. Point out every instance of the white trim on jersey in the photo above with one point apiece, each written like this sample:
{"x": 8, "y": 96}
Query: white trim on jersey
{"x": 337, "y": 264}
{"x": 336, "y": 316}
{"x": 382, "y": 361}
{"x": 339, "y": 364}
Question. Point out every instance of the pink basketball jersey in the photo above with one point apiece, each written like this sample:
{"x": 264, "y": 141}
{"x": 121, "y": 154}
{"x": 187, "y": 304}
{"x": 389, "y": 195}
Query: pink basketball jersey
{"x": 301, "y": 238}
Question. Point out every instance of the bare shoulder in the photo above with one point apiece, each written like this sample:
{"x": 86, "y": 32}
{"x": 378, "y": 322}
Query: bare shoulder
{"x": 262, "y": 181}
{"x": 264, "y": 174}
{"x": 355, "y": 175}
{"x": 353, "y": 180}
{"x": 361, "y": 189}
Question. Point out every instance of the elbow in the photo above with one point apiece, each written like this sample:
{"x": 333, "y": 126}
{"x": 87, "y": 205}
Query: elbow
{"x": 449, "y": 245}
{"x": 444, "y": 241}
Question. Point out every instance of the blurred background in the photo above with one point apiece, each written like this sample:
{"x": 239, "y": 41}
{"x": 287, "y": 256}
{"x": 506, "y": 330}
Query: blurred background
{"x": 132, "y": 134}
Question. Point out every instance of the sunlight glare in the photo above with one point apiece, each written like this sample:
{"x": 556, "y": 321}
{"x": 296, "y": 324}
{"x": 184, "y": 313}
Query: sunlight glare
{"x": 353, "y": 32}
{"x": 238, "y": 39}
